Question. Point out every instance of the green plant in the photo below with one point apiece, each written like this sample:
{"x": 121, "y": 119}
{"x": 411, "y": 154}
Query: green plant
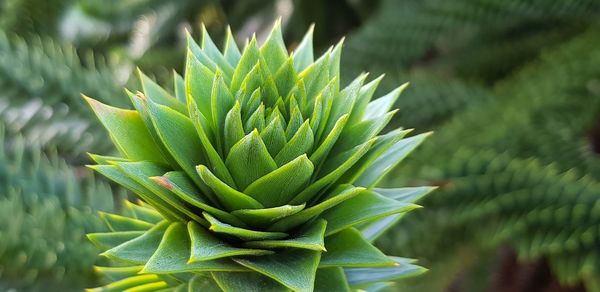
{"x": 259, "y": 172}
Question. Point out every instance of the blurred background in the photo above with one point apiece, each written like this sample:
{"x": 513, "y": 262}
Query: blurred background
{"x": 511, "y": 89}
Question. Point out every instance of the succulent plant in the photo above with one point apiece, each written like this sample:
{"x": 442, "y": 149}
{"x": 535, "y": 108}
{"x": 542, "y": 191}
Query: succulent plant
{"x": 258, "y": 173}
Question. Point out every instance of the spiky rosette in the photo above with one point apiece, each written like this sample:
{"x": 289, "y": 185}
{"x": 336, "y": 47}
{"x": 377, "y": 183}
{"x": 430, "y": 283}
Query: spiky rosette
{"x": 258, "y": 173}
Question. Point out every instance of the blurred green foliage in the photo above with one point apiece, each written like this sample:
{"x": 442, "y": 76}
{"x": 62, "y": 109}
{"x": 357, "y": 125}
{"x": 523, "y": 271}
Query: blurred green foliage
{"x": 511, "y": 89}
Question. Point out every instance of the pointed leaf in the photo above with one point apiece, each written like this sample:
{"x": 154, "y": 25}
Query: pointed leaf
{"x": 234, "y": 129}
{"x": 211, "y": 50}
{"x": 178, "y": 183}
{"x": 342, "y": 193}
{"x": 140, "y": 249}
{"x": 273, "y": 50}
{"x": 229, "y": 197}
{"x": 179, "y": 136}
{"x": 141, "y": 172}
{"x": 383, "y": 104}
{"x": 108, "y": 240}
{"x": 346, "y": 162}
{"x": 117, "y": 175}
{"x": 206, "y": 246}
{"x": 231, "y": 50}
{"x": 241, "y": 233}
{"x": 173, "y": 253}
{"x": 247, "y": 282}
{"x": 359, "y": 277}
{"x": 311, "y": 237}
{"x": 121, "y": 223}
{"x": 281, "y": 185}
{"x": 369, "y": 205}
{"x": 388, "y": 160}
{"x": 199, "y": 87}
{"x": 263, "y": 217}
{"x": 331, "y": 279}
{"x": 300, "y": 144}
{"x": 249, "y": 58}
{"x": 249, "y": 160}
{"x": 303, "y": 55}
{"x": 158, "y": 95}
{"x": 294, "y": 268}
{"x": 128, "y": 132}
{"x": 348, "y": 248}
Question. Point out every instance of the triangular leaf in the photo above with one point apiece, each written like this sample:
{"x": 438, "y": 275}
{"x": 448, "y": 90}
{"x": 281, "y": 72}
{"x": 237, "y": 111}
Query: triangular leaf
{"x": 294, "y": 268}
{"x": 294, "y": 175}
{"x": 206, "y": 246}
{"x": 348, "y": 248}
{"x": 310, "y": 237}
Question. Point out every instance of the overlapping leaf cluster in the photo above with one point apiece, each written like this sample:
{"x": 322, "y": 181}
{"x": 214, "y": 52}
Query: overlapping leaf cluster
{"x": 258, "y": 173}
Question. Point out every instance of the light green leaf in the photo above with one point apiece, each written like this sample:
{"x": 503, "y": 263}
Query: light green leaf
{"x": 359, "y": 133}
{"x": 247, "y": 282}
{"x": 140, "y": 103}
{"x": 231, "y": 50}
{"x": 173, "y": 253}
{"x": 128, "y": 132}
{"x": 343, "y": 102}
{"x": 139, "y": 250}
{"x": 303, "y": 55}
{"x": 249, "y": 160}
{"x": 118, "y": 273}
{"x": 256, "y": 121}
{"x": 294, "y": 268}
{"x": 348, "y": 248}
{"x": 388, "y": 160}
{"x": 179, "y": 87}
{"x": 346, "y": 161}
{"x": 316, "y": 76}
{"x": 301, "y": 143}
{"x": 221, "y": 101}
{"x": 372, "y": 230}
{"x": 294, "y": 175}
{"x": 382, "y": 144}
{"x": 206, "y": 246}
{"x": 310, "y": 237}
{"x": 264, "y": 217}
{"x": 216, "y": 162}
{"x": 361, "y": 277}
{"x": 130, "y": 283}
{"x": 274, "y": 134}
{"x": 229, "y": 197}
{"x": 234, "y": 129}
{"x": 285, "y": 77}
{"x": 365, "y": 207}
{"x": 211, "y": 50}
{"x": 158, "y": 95}
{"x": 121, "y": 223}
{"x": 273, "y": 50}
{"x": 342, "y": 193}
{"x": 144, "y": 213}
{"x": 241, "y": 233}
{"x": 204, "y": 283}
{"x": 179, "y": 136}
{"x": 199, "y": 87}
{"x": 249, "y": 58}
{"x": 115, "y": 174}
{"x": 141, "y": 173}
{"x": 331, "y": 279}
{"x": 383, "y": 104}
{"x": 178, "y": 183}
{"x": 318, "y": 156}
{"x": 362, "y": 101}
